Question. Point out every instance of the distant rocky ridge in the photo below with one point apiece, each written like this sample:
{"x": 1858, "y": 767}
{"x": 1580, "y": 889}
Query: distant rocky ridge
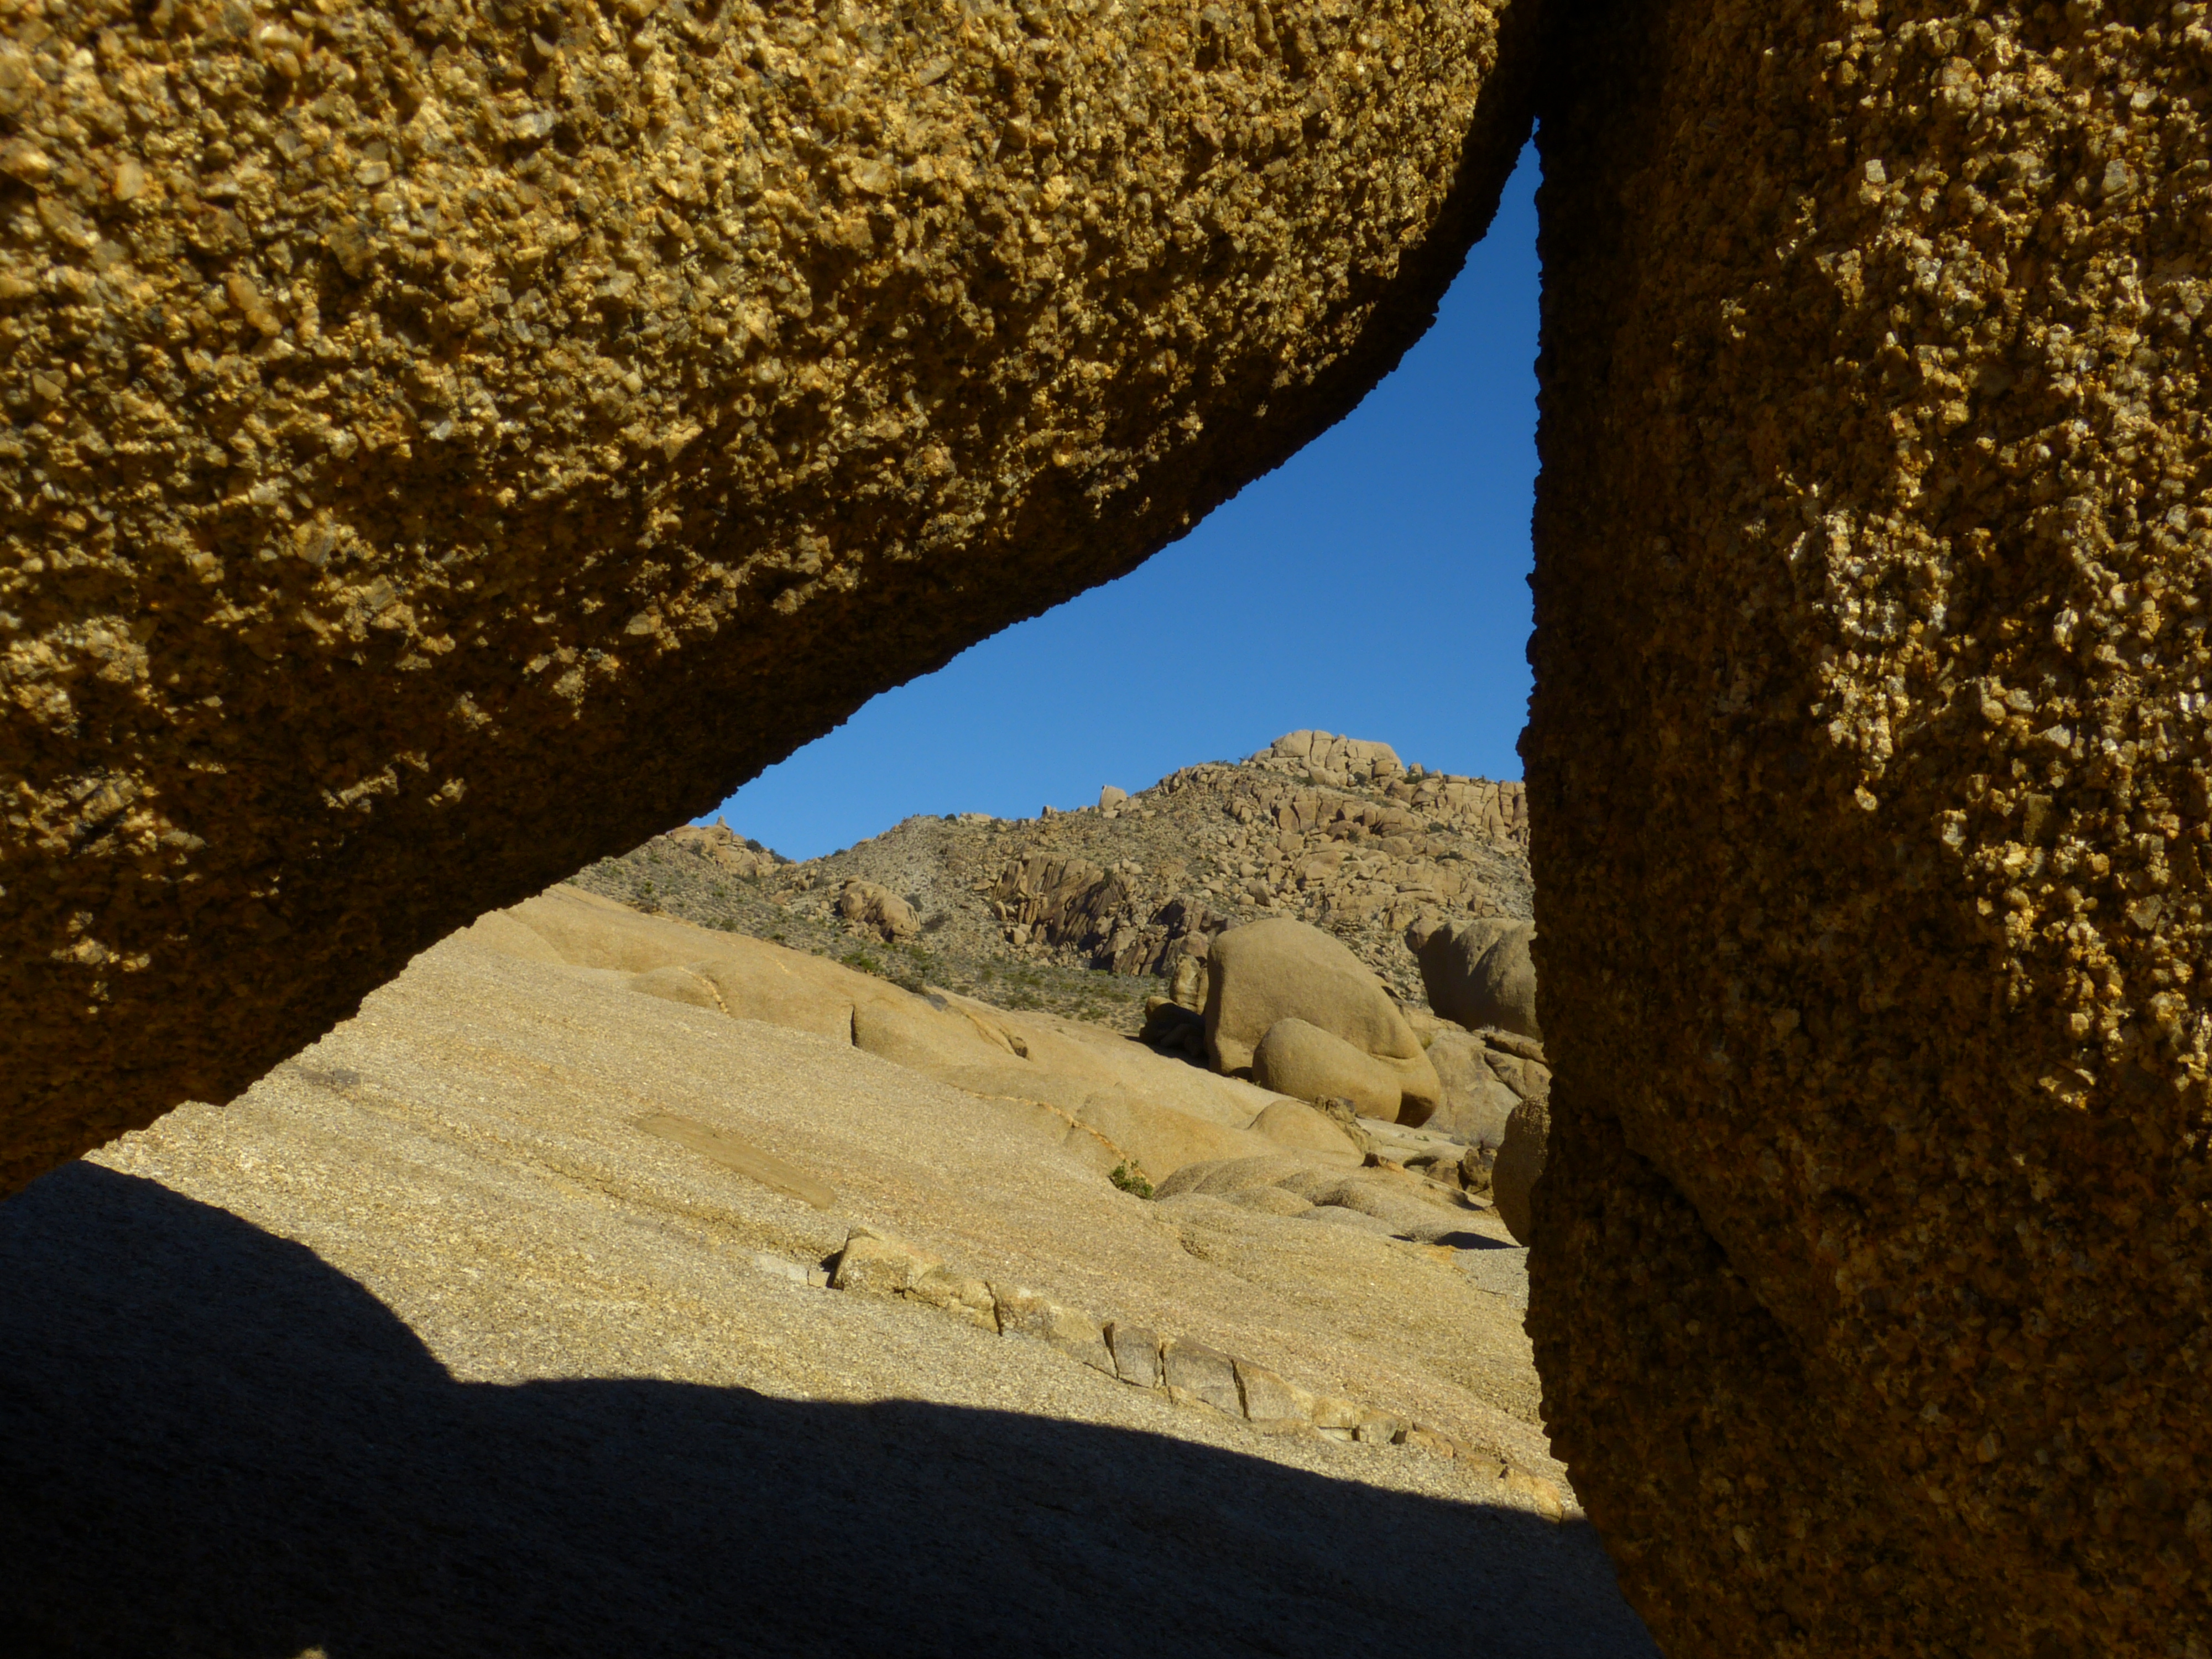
{"x": 1025, "y": 912}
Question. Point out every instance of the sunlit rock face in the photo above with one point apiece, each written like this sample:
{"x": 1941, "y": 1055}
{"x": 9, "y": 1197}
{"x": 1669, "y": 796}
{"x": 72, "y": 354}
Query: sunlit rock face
{"x": 1868, "y": 778}
{"x": 449, "y": 442}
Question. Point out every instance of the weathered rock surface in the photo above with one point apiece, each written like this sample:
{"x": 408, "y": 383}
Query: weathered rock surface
{"x": 1341, "y": 761}
{"x": 1308, "y": 1063}
{"x": 1104, "y": 1098}
{"x": 1294, "y": 1123}
{"x": 424, "y": 420}
{"x": 866, "y": 906}
{"x": 1280, "y": 970}
{"x": 1479, "y": 971}
{"x": 1868, "y": 777}
{"x": 722, "y": 848}
{"x": 440, "y": 1341}
{"x": 1476, "y": 1101}
{"x": 1519, "y": 1165}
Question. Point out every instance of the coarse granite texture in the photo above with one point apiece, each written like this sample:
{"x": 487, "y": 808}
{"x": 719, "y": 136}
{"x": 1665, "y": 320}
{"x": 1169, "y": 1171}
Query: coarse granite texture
{"x": 1868, "y": 783}
{"x": 449, "y": 442}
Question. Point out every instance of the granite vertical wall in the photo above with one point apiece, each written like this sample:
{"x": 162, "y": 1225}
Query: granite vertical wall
{"x": 1868, "y": 774}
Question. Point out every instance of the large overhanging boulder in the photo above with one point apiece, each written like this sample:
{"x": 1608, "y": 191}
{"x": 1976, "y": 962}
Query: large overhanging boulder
{"x": 449, "y": 441}
{"x": 1868, "y": 772}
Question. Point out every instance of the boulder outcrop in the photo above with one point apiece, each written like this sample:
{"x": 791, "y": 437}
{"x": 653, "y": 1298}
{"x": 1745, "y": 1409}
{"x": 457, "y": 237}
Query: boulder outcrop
{"x": 1139, "y": 885}
{"x": 1479, "y": 971}
{"x": 1476, "y": 1102}
{"x": 1341, "y": 761}
{"x": 422, "y": 420}
{"x": 1308, "y": 1063}
{"x": 1275, "y": 970}
{"x": 1519, "y": 1165}
{"x": 1868, "y": 772}
{"x": 875, "y": 909}
{"x": 1102, "y": 1097}
{"x": 720, "y": 846}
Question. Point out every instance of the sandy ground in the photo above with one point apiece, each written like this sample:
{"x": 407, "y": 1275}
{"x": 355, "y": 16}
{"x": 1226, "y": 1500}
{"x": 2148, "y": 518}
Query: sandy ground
{"x": 424, "y": 1347}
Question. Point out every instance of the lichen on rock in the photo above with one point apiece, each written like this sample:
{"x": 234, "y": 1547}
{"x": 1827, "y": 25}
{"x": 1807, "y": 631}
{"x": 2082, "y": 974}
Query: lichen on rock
{"x": 446, "y": 442}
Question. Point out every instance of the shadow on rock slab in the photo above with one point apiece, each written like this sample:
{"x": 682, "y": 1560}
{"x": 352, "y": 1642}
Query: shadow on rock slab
{"x": 213, "y": 1443}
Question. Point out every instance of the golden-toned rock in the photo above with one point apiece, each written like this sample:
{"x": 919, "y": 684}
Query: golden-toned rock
{"x": 868, "y": 907}
{"x": 423, "y": 421}
{"x": 1279, "y": 968}
{"x": 1303, "y": 1061}
{"x": 1294, "y": 1124}
{"x": 1868, "y": 771}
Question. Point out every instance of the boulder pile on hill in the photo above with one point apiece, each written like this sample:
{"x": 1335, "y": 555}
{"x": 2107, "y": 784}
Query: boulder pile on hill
{"x": 1335, "y": 831}
{"x": 867, "y": 907}
{"x": 724, "y": 848}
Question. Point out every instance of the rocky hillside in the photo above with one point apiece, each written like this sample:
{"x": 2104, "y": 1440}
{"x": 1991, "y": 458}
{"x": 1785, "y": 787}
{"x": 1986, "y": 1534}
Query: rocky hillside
{"x": 1090, "y": 913}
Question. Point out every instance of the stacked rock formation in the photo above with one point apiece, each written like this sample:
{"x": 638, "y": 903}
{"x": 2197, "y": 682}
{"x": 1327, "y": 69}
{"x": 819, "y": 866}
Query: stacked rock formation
{"x": 1291, "y": 1007}
{"x": 424, "y": 419}
{"x": 1869, "y": 769}
{"x": 721, "y": 848}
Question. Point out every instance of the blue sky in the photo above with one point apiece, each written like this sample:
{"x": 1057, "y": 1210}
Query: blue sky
{"x": 1375, "y": 585}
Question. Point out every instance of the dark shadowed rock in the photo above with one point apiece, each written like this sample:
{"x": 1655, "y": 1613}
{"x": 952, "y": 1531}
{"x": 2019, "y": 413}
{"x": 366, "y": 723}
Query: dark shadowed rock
{"x": 1479, "y": 971}
{"x": 1519, "y": 1165}
{"x": 1868, "y": 781}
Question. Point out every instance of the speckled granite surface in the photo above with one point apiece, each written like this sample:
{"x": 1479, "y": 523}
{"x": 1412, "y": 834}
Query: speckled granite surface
{"x": 1869, "y": 780}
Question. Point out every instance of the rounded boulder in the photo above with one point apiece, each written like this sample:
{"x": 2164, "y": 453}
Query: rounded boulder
{"x": 1477, "y": 1101}
{"x": 1279, "y": 968}
{"x": 1308, "y": 1063}
{"x": 1481, "y": 972}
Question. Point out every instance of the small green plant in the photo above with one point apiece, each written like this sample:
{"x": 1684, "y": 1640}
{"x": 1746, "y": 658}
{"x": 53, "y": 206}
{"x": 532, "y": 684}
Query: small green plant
{"x": 863, "y": 962}
{"x": 1131, "y": 1179}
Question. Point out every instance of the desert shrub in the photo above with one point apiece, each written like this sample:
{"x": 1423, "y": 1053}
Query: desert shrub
{"x": 1130, "y": 1179}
